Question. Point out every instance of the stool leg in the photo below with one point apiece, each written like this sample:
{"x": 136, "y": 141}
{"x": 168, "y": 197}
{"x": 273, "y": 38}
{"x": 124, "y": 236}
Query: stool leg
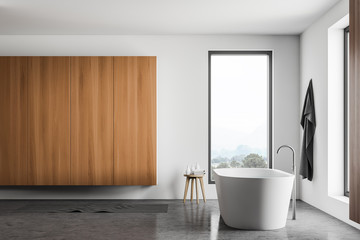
{"x": 197, "y": 192}
{"x": 186, "y": 188}
{"x": 202, "y": 189}
{"x": 192, "y": 188}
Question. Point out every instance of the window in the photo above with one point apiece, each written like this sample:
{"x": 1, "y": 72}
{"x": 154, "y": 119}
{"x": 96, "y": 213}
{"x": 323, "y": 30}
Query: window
{"x": 240, "y": 112}
{"x": 346, "y": 110}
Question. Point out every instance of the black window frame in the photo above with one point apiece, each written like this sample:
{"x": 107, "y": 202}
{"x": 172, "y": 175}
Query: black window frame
{"x": 346, "y": 111}
{"x": 269, "y": 53}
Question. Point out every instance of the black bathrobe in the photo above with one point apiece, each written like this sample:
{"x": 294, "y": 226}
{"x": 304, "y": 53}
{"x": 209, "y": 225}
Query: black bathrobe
{"x": 308, "y": 123}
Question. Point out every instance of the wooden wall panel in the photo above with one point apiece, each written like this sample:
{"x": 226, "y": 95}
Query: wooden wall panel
{"x": 13, "y": 120}
{"x": 354, "y": 99}
{"x": 49, "y": 121}
{"x": 135, "y": 120}
{"x": 92, "y": 156}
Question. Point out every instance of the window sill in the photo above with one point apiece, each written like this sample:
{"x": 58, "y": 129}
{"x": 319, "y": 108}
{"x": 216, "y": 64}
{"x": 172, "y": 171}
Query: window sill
{"x": 343, "y": 199}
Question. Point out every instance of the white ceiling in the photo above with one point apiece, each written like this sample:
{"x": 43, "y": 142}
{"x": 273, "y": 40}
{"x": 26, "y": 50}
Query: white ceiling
{"x": 133, "y": 17}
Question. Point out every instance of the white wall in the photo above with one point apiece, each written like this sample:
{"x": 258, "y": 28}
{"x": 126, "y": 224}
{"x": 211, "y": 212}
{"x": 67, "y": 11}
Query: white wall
{"x": 182, "y": 101}
{"x": 314, "y": 64}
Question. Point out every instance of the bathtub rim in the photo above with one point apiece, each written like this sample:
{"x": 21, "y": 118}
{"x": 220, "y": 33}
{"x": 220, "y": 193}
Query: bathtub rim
{"x": 284, "y": 174}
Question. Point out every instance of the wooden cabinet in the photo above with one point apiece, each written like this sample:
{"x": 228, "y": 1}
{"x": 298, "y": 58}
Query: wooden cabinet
{"x": 13, "y": 120}
{"x": 49, "y": 121}
{"x": 92, "y": 155}
{"x": 77, "y": 120}
{"x": 135, "y": 120}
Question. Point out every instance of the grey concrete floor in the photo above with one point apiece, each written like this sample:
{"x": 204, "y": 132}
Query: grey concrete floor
{"x": 182, "y": 221}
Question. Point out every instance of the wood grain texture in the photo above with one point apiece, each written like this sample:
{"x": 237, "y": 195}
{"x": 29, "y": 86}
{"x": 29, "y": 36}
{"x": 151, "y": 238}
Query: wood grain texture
{"x": 92, "y": 154}
{"x": 202, "y": 188}
{"x": 13, "y": 121}
{"x": 186, "y": 187}
{"x": 192, "y": 189}
{"x": 354, "y": 99}
{"x": 49, "y": 120}
{"x": 135, "y": 120}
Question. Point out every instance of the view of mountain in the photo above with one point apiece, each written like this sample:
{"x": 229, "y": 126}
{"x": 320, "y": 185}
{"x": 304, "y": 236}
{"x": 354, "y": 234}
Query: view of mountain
{"x": 241, "y": 150}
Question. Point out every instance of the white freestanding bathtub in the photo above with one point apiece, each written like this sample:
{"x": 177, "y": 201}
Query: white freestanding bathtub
{"x": 253, "y": 198}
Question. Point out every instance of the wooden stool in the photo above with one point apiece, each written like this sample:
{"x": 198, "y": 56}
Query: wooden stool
{"x": 192, "y": 178}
